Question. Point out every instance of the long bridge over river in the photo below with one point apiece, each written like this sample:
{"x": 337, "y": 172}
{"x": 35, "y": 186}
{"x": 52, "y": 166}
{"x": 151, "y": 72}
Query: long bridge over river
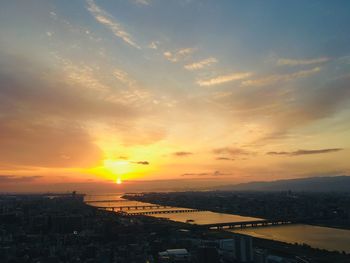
{"x": 245, "y": 224}
{"x": 163, "y": 209}
{"x": 175, "y": 211}
{"x": 134, "y": 207}
{"x": 106, "y": 201}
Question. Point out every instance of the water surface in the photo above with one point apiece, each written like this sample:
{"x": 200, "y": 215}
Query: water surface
{"x": 315, "y": 236}
{"x": 206, "y": 217}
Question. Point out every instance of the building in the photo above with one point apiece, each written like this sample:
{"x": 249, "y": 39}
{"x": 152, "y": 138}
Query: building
{"x": 260, "y": 255}
{"x": 240, "y": 248}
{"x": 174, "y": 256}
{"x": 208, "y": 255}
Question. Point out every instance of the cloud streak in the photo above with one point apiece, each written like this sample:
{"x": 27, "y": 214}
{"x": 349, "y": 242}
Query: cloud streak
{"x": 201, "y": 64}
{"x": 225, "y": 159}
{"x": 215, "y": 173}
{"x": 277, "y": 78}
{"x": 124, "y": 77}
{"x": 182, "y": 54}
{"x": 305, "y": 152}
{"x": 182, "y": 154}
{"x": 231, "y": 151}
{"x": 296, "y": 62}
{"x": 142, "y": 2}
{"x": 223, "y": 79}
{"x": 142, "y": 162}
{"x": 107, "y": 20}
{"x": 11, "y": 179}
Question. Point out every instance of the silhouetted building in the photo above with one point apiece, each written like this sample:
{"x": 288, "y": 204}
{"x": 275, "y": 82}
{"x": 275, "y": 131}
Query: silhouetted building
{"x": 67, "y": 224}
{"x": 208, "y": 255}
{"x": 174, "y": 256}
{"x": 239, "y": 248}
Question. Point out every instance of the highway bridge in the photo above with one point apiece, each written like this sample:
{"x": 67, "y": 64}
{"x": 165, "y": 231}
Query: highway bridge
{"x": 162, "y": 209}
{"x": 245, "y": 224}
{"x": 165, "y": 212}
{"x": 133, "y": 207}
{"x": 107, "y": 201}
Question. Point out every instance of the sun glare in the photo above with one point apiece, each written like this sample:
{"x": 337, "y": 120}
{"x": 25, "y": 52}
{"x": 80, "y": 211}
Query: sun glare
{"x": 119, "y": 181}
{"x": 117, "y": 167}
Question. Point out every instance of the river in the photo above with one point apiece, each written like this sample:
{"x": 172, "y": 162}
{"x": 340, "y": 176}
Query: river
{"x": 318, "y": 237}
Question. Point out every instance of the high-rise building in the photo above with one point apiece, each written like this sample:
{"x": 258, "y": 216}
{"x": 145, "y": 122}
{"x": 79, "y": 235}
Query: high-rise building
{"x": 239, "y": 248}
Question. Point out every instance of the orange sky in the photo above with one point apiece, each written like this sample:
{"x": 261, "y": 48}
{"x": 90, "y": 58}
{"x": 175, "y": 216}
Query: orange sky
{"x": 184, "y": 95}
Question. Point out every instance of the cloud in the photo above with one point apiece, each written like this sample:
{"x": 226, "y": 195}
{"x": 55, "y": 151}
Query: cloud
{"x": 279, "y": 109}
{"x": 182, "y": 154}
{"x": 10, "y": 179}
{"x": 296, "y": 62}
{"x": 107, "y": 20}
{"x": 215, "y": 173}
{"x": 142, "y": 162}
{"x": 142, "y": 2}
{"x": 277, "y": 78}
{"x": 224, "y": 159}
{"x": 201, "y": 64}
{"x": 27, "y": 87}
{"x": 223, "y": 79}
{"x": 218, "y": 173}
{"x": 124, "y": 77}
{"x": 35, "y": 142}
{"x": 306, "y": 152}
{"x": 154, "y": 45}
{"x": 231, "y": 151}
{"x": 46, "y": 112}
{"x": 195, "y": 174}
{"x": 181, "y": 54}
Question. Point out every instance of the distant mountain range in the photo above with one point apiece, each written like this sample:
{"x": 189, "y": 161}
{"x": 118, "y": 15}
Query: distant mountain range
{"x": 311, "y": 184}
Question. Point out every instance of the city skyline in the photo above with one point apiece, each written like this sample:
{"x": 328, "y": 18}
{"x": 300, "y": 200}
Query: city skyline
{"x": 194, "y": 93}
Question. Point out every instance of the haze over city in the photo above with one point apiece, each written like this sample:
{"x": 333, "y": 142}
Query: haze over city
{"x": 110, "y": 95}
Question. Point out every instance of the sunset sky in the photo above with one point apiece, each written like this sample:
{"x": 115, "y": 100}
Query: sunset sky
{"x": 187, "y": 93}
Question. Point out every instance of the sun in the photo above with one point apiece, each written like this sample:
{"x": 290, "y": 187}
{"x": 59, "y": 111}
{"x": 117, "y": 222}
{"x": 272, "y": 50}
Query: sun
{"x": 119, "y": 170}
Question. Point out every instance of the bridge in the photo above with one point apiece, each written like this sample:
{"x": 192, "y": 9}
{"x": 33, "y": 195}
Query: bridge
{"x": 144, "y": 207}
{"x": 165, "y": 212}
{"x": 133, "y": 207}
{"x": 244, "y": 224}
{"x": 157, "y": 209}
{"x": 107, "y": 201}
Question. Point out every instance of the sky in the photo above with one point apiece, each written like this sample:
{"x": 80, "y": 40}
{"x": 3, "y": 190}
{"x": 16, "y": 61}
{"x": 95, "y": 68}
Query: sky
{"x": 110, "y": 95}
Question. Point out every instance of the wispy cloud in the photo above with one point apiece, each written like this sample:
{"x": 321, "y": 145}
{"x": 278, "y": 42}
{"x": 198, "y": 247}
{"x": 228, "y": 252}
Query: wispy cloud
{"x": 195, "y": 174}
{"x": 224, "y": 159}
{"x": 142, "y": 2}
{"x": 142, "y": 162}
{"x": 231, "y": 151}
{"x": 272, "y": 79}
{"x": 124, "y": 77}
{"x": 8, "y": 179}
{"x": 107, "y": 20}
{"x": 223, "y": 79}
{"x": 201, "y": 64}
{"x": 182, "y": 154}
{"x": 154, "y": 45}
{"x": 83, "y": 75}
{"x": 296, "y": 62}
{"x": 175, "y": 56}
{"x": 306, "y": 152}
{"x": 215, "y": 173}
